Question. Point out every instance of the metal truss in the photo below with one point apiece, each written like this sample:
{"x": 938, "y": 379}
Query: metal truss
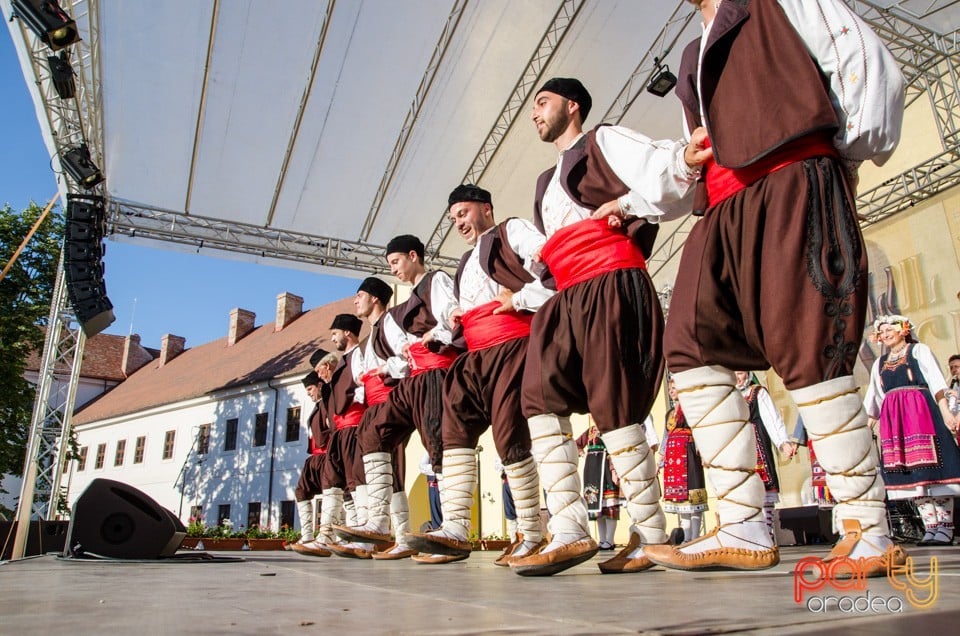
{"x": 52, "y": 411}
{"x": 439, "y": 52}
{"x": 139, "y": 220}
{"x": 530, "y": 77}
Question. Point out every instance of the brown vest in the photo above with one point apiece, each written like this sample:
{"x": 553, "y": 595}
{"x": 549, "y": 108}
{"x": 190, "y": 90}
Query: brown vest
{"x": 498, "y": 261}
{"x": 761, "y": 89}
{"x": 590, "y": 182}
{"x": 342, "y": 386}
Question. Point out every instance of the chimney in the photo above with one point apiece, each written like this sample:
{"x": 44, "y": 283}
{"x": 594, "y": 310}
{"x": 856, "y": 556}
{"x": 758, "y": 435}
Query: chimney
{"x": 289, "y": 307}
{"x": 170, "y": 347}
{"x": 134, "y": 356}
{"x": 241, "y": 323}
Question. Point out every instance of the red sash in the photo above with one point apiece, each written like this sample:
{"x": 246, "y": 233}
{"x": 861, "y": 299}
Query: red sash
{"x": 588, "y": 248}
{"x": 374, "y": 390}
{"x": 351, "y": 417}
{"x": 483, "y": 329}
{"x": 422, "y": 359}
{"x": 723, "y": 183}
{"x": 316, "y": 450}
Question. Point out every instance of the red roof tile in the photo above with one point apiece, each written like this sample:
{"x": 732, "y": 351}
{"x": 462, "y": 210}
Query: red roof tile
{"x": 102, "y": 358}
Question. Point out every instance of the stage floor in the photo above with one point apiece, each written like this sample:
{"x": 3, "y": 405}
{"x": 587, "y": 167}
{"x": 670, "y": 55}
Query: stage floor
{"x": 286, "y": 593}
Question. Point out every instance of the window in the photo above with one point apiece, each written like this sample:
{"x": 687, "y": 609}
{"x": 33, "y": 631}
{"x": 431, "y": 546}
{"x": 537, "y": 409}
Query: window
{"x": 260, "y": 430}
{"x": 293, "y": 424}
{"x": 230, "y": 438}
{"x": 203, "y": 439}
{"x": 101, "y": 454}
{"x": 253, "y": 514}
{"x": 82, "y": 460}
{"x": 288, "y": 510}
{"x": 168, "y": 439}
{"x": 223, "y": 513}
{"x": 121, "y": 450}
{"x": 138, "y": 452}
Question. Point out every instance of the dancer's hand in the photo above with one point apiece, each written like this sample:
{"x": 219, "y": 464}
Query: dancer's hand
{"x": 698, "y": 151}
{"x": 610, "y": 211}
{"x": 505, "y": 298}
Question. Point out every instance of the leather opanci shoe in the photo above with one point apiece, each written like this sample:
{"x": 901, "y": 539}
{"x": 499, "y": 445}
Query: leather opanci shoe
{"x": 433, "y": 543}
{"x": 362, "y": 535}
{"x": 623, "y": 564}
{"x": 505, "y": 559}
{"x": 393, "y": 554}
{"x": 350, "y": 552}
{"x": 310, "y": 548}
{"x": 436, "y": 559}
{"x": 721, "y": 558}
{"x": 549, "y": 563}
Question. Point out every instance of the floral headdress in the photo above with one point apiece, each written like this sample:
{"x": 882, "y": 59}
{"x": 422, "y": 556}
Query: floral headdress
{"x": 896, "y": 320}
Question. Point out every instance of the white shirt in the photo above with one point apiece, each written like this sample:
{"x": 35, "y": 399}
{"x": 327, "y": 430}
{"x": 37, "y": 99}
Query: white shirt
{"x": 929, "y": 367}
{"x": 659, "y": 179}
{"x": 770, "y": 417}
{"x": 396, "y": 365}
{"x": 477, "y": 288}
{"x": 442, "y": 303}
{"x": 866, "y": 85}
{"x": 355, "y": 359}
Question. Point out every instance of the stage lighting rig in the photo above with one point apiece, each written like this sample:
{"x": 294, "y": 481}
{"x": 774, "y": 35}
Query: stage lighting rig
{"x": 77, "y": 162}
{"x": 45, "y": 18}
{"x": 663, "y": 80}
{"x": 61, "y": 74}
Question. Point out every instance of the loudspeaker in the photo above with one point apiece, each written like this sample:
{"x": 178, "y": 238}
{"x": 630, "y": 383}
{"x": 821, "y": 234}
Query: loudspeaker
{"x": 114, "y": 520}
{"x": 83, "y": 263}
{"x": 42, "y": 537}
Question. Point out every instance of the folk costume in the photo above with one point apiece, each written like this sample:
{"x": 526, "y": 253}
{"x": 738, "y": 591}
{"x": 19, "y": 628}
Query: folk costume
{"x": 920, "y": 458}
{"x": 780, "y": 237}
{"x": 482, "y": 388}
{"x": 595, "y": 347}
{"x": 310, "y": 483}
{"x": 684, "y": 488}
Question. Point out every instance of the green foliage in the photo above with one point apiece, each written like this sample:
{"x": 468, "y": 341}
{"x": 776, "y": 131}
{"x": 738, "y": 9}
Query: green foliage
{"x": 24, "y": 306}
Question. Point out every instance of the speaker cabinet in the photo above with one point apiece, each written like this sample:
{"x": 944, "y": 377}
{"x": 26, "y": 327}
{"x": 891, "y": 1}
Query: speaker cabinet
{"x": 113, "y": 520}
{"x": 42, "y": 537}
{"x": 83, "y": 263}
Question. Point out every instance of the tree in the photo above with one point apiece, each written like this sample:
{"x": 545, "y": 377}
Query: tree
{"x": 25, "y": 295}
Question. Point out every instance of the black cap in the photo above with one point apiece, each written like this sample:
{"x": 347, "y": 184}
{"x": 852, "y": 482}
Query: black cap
{"x": 469, "y": 192}
{"x": 405, "y": 243}
{"x": 317, "y": 356}
{"x": 376, "y": 288}
{"x": 573, "y": 90}
{"x": 347, "y": 322}
{"x": 311, "y": 379}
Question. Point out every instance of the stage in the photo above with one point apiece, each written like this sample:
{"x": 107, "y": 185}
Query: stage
{"x": 284, "y": 593}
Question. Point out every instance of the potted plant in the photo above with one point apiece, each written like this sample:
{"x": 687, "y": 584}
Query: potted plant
{"x": 263, "y": 539}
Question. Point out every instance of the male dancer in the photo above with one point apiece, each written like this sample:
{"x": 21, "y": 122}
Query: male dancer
{"x": 416, "y": 329}
{"x": 497, "y": 286}
{"x": 311, "y": 481}
{"x": 779, "y": 237}
{"x": 595, "y": 346}
{"x": 343, "y": 468}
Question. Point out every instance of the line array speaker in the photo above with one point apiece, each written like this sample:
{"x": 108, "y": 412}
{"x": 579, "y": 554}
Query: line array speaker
{"x": 83, "y": 263}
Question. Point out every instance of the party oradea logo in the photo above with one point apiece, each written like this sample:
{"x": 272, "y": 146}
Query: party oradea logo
{"x": 845, "y": 575}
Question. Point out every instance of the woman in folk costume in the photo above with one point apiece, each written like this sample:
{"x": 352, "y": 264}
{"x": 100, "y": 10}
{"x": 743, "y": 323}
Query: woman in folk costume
{"x": 684, "y": 488}
{"x": 601, "y": 486}
{"x": 906, "y": 398}
{"x": 770, "y": 433}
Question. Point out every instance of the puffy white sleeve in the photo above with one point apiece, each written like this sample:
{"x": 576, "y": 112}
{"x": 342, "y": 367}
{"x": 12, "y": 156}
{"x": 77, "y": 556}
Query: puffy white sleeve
{"x": 772, "y": 421}
{"x": 526, "y": 240}
{"x": 875, "y": 393}
{"x": 397, "y": 365}
{"x": 356, "y": 365}
{"x": 660, "y": 182}
{"x": 442, "y": 302}
{"x": 866, "y": 85}
{"x": 930, "y": 368}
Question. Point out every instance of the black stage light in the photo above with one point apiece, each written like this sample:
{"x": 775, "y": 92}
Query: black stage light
{"x": 61, "y": 74}
{"x": 48, "y": 21}
{"x": 663, "y": 81}
{"x": 77, "y": 162}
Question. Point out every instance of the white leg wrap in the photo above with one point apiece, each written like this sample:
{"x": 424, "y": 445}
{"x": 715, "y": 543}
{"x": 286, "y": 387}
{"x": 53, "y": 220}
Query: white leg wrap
{"x": 378, "y": 468}
{"x": 524, "y": 484}
{"x": 833, "y": 415}
{"x": 350, "y": 512}
{"x": 457, "y": 490}
{"x": 718, "y": 416}
{"x": 305, "y": 512}
{"x": 556, "y": 455}
{"x": 360, "y": 502}
{"x": 400, "y": 514}
{"x": 632, "y": 460}
{"x": 512, "y": 529}
{"x": 329, "y": 514}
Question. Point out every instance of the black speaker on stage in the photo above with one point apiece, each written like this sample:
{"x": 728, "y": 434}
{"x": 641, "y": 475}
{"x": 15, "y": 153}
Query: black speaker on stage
{"x": 42, "y": 537}
{"x": 83, "y": 263}
{"x": 113, "y": 520}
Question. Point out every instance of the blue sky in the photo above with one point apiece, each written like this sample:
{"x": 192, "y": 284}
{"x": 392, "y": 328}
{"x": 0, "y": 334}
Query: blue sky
{"x": 154, "y": 291}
